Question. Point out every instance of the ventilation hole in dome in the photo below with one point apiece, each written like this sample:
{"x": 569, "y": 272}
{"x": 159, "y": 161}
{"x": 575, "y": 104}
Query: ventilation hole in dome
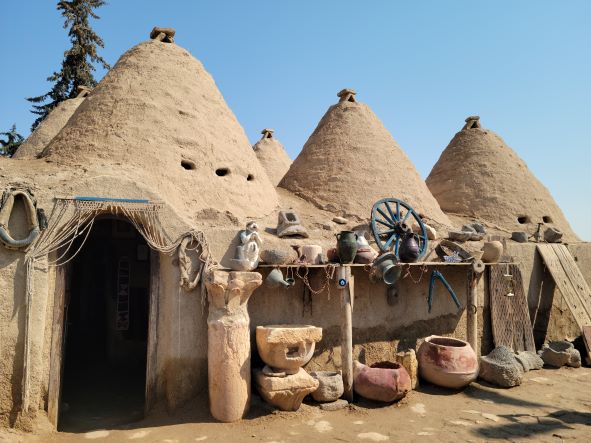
{"x": 220, "y": 172}
{"x": 188, "y": 164}
{"x": 250, "y": 177}
{"x": 523, "y": 219}
{"x": 547, "y": 219}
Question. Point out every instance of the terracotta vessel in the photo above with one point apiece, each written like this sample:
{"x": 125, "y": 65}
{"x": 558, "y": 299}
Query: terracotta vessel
{"x": 384, "y": 381}
{"x": 347, "y": 246}
{"x": 492, "y": 251}
{"x": 311, "y": 254}
{"x": 447, "y": 362}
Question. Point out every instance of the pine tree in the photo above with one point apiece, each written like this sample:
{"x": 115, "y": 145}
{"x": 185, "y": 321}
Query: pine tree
{"x": 11, "y": 143}
{"x": 77, "y": 66}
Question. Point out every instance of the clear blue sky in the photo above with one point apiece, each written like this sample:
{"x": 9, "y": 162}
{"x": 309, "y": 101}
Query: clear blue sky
{"x": 423, "y": 66}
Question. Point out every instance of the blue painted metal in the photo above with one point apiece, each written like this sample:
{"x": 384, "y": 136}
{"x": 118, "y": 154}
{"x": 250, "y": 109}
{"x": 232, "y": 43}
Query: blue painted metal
{"x": 436, "y": 275}
{"x": 108, "y": 199}
{"x": 387, "y": 225}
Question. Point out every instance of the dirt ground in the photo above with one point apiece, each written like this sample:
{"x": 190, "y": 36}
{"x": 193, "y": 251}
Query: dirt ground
{"x": 551, "y": 405}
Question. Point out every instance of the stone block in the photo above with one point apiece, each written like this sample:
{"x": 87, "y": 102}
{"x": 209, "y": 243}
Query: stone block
{"x": 408, "y": 359}
{"x": 519, "y": 236}
{"x": 560, "y": 353}
{"x": 501, "y": 368}
{"x": 287, "y": 392}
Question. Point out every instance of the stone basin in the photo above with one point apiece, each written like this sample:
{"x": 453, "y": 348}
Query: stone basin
{"x": 287, "y": 347}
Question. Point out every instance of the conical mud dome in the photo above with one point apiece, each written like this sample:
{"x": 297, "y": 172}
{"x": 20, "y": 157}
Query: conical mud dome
{"x": 350, "y": 161}
{"x": 159, "y": 116}
{"x": 272, "y": 156}
{"x": 479, "y": 176}
{"x": 48, "y": 128}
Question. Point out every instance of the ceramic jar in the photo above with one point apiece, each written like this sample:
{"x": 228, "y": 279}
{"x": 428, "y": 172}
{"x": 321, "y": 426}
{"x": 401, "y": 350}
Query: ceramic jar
{"x": 347, "y": 246}
{"x": 384, "y": 381}
{"x": 447, "y": 362}
{"x": 492, "y": 251}
{"x": 311, "y": 254}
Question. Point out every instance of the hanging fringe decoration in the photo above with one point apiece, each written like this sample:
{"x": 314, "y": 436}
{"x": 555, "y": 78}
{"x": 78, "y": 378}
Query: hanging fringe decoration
{"x": 74, "y": 218}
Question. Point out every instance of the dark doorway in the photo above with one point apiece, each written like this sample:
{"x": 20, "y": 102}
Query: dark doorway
{"x": 106, "y": 329}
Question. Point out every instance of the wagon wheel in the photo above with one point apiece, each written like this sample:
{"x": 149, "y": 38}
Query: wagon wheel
{"x": 390, "y": 220}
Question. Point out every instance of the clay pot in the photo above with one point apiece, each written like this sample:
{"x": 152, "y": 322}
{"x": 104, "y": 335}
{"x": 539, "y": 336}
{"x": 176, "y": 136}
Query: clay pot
{"x": 311, "y": 254}
{"x": 447, "y": 362}
{"x": 330, "y": 386}
{"x": 492, "y": 251}
{"x": 347, "y": 246}
{"x": 384, "y": 381}
{"x": 332, "y": 255}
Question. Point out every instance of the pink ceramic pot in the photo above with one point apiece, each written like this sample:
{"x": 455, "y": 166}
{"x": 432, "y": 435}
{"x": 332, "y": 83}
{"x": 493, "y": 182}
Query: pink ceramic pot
{"x": 382, "y": 381}
{"x": 447, "y": 362}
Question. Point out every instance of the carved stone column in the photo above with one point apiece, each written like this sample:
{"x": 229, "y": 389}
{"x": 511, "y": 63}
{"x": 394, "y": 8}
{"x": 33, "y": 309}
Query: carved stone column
{"x": 228, "y": 334}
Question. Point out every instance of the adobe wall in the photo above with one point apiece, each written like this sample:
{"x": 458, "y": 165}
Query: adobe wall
{"x": 379, "y": 329}
{"x": 13, "y": 311}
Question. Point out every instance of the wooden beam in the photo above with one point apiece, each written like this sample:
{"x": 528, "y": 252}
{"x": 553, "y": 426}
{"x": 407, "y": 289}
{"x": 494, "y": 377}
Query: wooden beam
{"x": 151, "y": 361}
{"x": 346, "y": 289}
{"x": 472, "y": 313}
{"x": 57, "y": 344}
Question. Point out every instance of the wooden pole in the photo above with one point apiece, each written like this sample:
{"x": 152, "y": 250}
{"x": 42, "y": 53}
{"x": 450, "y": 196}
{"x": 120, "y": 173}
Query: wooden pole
{"x": 472, "y": 318}
{"x": 472, "y": 308}
{"x": 345, "y": 282}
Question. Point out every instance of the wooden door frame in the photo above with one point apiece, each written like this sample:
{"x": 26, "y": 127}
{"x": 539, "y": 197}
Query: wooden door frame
{"x": 57, "y": 344}
{"x": 151, "y": 358}
{"x": 56, "y": 361}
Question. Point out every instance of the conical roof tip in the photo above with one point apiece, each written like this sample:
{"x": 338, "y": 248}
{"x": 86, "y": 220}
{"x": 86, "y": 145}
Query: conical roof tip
{"x": 472, "y": 122}
{"x": 165, "y": 35}
{"x": 480, "y": 177}
{"x": 83, "y": 91}
{"x": 272, "y": 156}
{"x": 267, "y": 133}
{"x": 351, "y": 161}
{"x": 347, "y": 95}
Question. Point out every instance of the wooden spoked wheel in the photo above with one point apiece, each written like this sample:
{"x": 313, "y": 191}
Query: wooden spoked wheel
{"x": 391, "y": 219}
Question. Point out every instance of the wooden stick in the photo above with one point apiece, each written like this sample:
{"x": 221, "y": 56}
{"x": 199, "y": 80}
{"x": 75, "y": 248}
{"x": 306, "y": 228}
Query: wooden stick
{"x": 472, "y": 313}
{"x": 347, "y": 295}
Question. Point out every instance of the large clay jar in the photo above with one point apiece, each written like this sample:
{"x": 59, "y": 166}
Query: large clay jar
{"x": 384, "y": 381}
{"x": 447, "y": 362}
{"x": 347, "y": 246}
